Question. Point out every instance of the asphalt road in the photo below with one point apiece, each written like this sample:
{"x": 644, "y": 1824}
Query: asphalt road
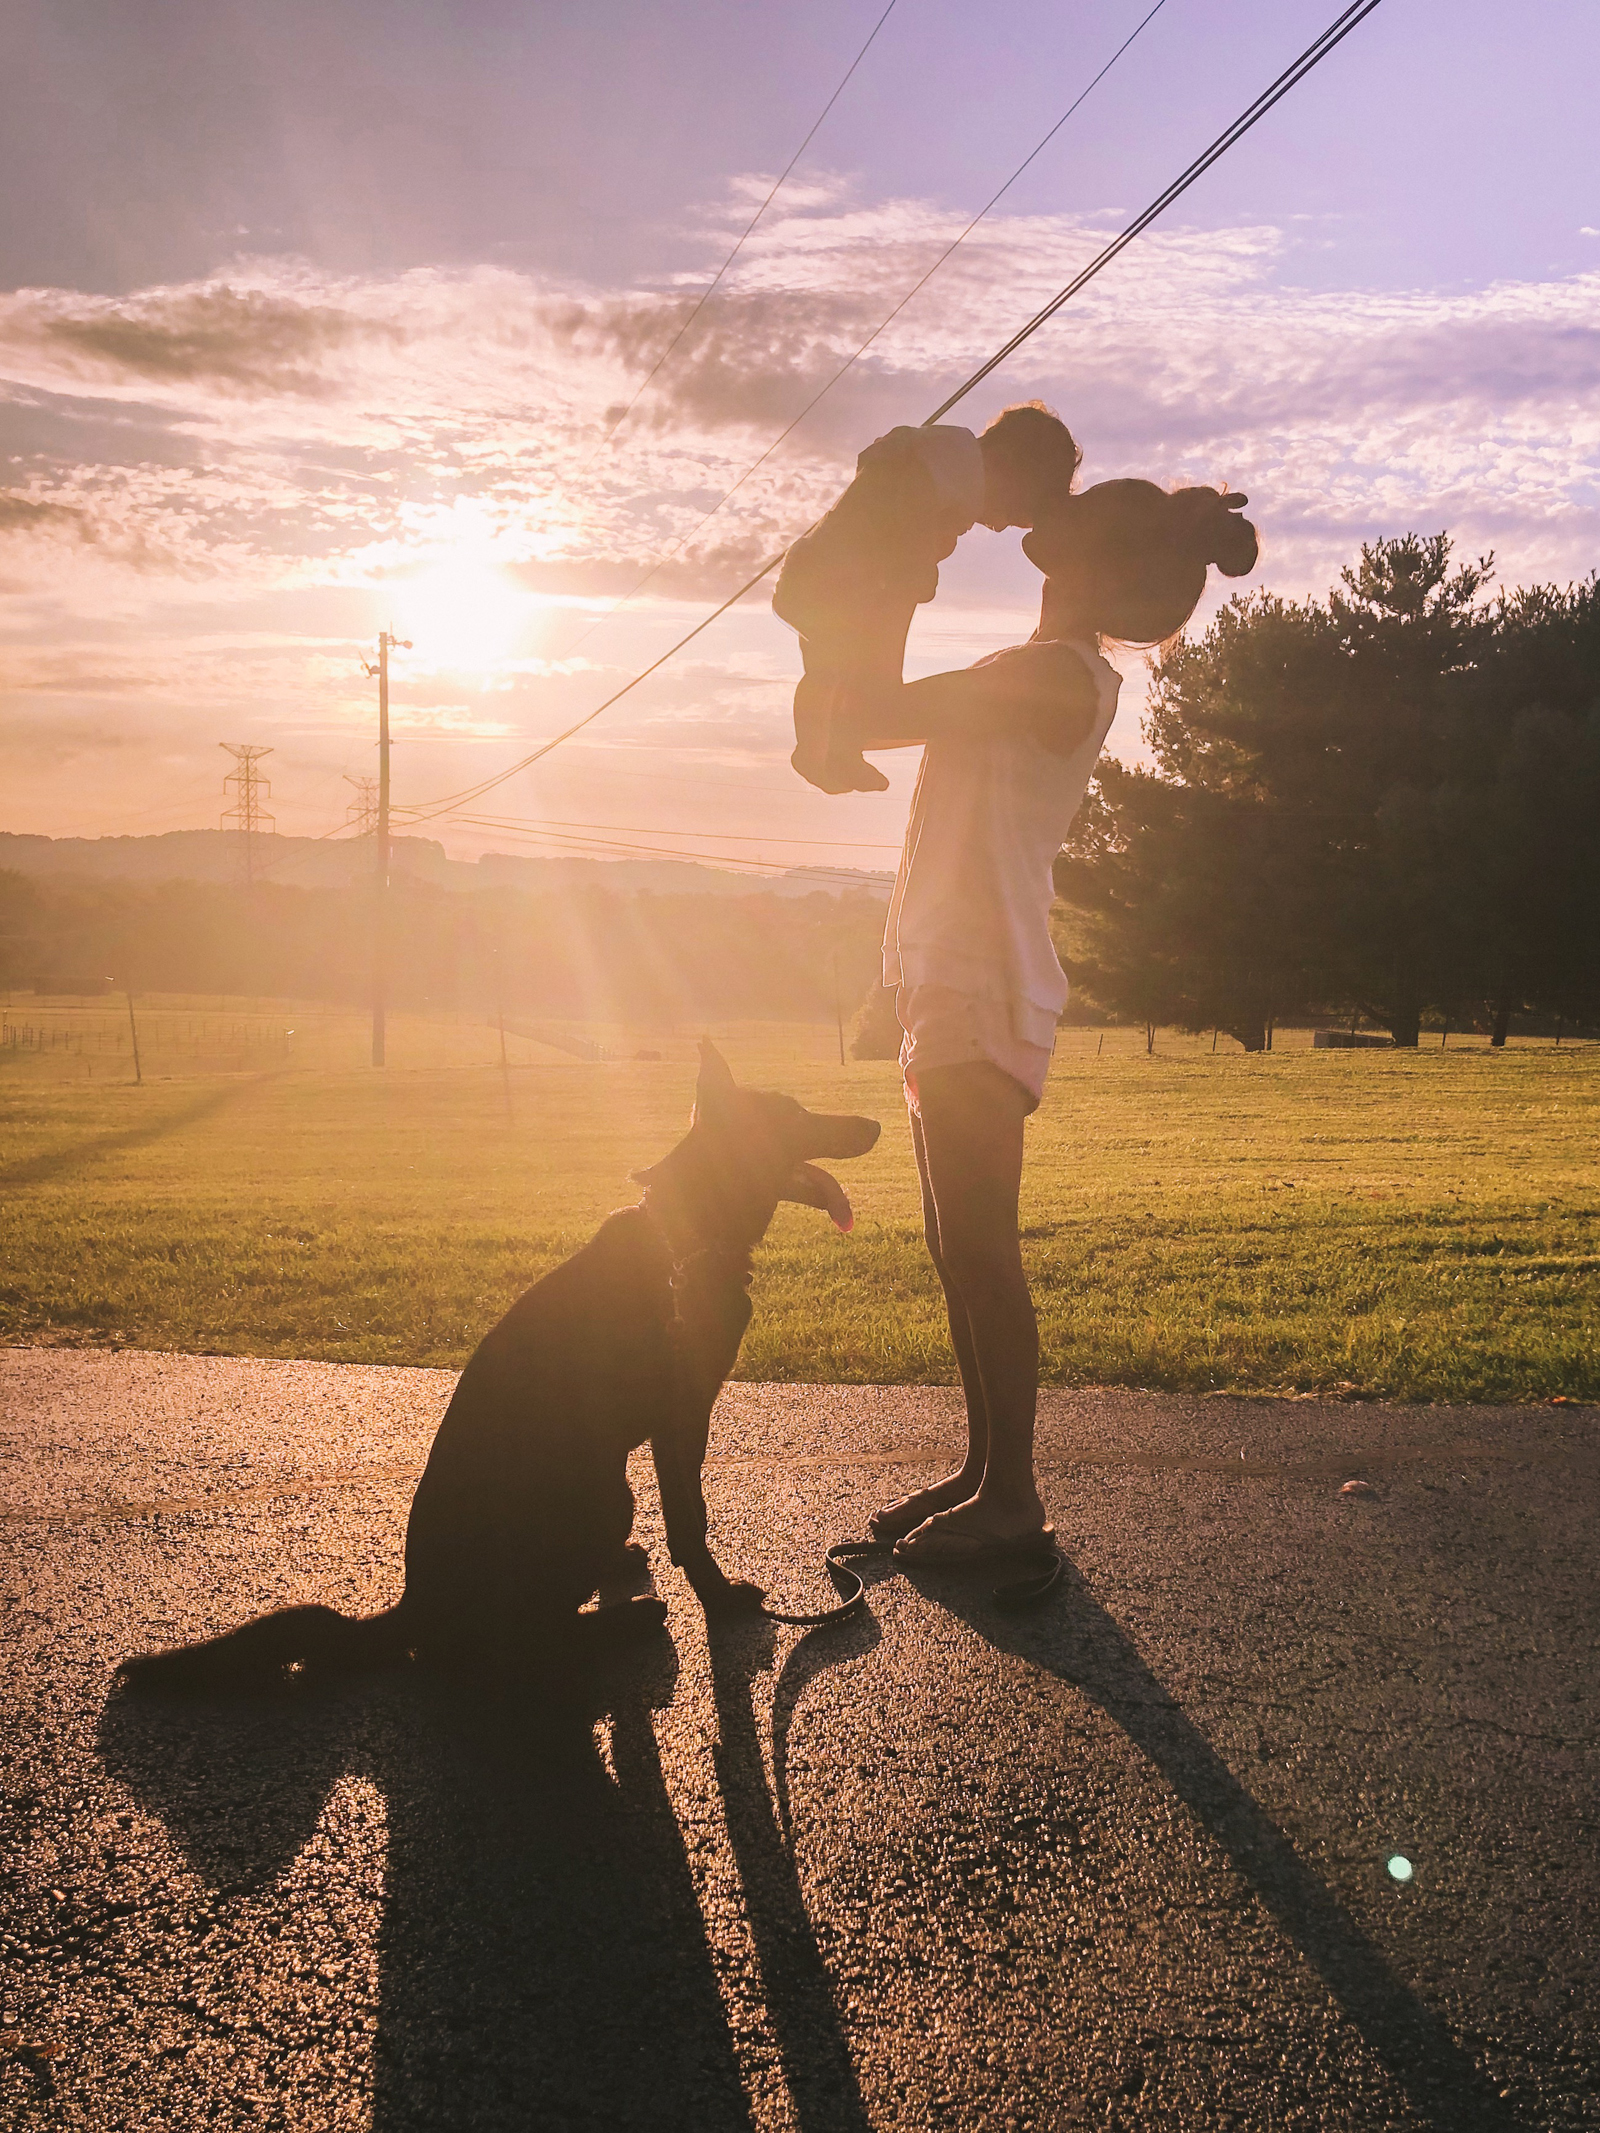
{"x": 1118, "y": 1864}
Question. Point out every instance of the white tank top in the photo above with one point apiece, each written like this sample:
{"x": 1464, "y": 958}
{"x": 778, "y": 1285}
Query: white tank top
{"x": 971, "y": 903}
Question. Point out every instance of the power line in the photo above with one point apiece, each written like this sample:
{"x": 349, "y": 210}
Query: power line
{"x": 639, "y": 829}
{"x": 287, "y": 858}
{"x": 710, "y": 287}
{"x": 1313, "y": 55}
{"x": 434, "y": 809}
{"x": 881, "y": 328}
{"x": 877, "y": 332}
{"x": 1335, "y": 34}
{"x": 578, "y": 847}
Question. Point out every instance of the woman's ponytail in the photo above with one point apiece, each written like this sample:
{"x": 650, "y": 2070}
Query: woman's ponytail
{"x": 1128, "y": 561}
{"x": 1209, "y": 526}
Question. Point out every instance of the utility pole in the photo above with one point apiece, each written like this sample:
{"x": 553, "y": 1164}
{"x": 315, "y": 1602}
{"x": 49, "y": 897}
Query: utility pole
{"x": 380, "y": 925}
{"x": 500, "y": 1017}
{"x": 249, "y": 789}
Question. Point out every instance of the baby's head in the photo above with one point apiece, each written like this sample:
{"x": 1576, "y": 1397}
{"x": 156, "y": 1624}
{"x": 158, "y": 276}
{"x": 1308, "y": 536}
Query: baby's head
{"x": 1127, "y": 560}
{"x": 1029, "y": 460}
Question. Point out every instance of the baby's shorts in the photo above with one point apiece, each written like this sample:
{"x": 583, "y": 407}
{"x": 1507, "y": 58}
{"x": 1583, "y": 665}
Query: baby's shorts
{"x": 946, "y": 1028}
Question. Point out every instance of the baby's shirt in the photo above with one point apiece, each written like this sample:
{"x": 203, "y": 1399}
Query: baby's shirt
{"x": 915, "y": 493}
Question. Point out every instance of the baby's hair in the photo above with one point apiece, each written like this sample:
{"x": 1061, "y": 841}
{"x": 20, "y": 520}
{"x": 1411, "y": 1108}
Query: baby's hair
{"x": 1129, "y": 559}
{"x": 1034, "y": 440}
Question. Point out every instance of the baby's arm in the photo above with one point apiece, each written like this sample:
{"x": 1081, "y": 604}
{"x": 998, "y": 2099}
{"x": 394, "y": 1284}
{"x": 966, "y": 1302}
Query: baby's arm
{"x": 1043, "y": 690}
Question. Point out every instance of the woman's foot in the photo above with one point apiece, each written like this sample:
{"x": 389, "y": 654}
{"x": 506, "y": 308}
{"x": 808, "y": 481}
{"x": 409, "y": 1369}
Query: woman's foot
{"x": 973, "y": 1530}
{"x": 896, "y": 1520}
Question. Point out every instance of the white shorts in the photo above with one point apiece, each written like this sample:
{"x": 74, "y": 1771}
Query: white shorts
{"x": 945, "y": 1028}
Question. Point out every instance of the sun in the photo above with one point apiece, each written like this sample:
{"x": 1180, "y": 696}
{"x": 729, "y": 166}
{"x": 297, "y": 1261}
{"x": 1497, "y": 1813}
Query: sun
{"x": 463, "y": 612}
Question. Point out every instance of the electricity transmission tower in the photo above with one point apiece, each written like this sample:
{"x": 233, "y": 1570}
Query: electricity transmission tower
{"x": 249, "y": 789}
{"x": 362, "y": 813}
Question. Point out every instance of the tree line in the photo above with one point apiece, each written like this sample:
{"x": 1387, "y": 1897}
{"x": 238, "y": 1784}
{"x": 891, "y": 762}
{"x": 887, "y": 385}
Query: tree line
{"x": 590, "y": 954}
{"x": 1382, "y": 806}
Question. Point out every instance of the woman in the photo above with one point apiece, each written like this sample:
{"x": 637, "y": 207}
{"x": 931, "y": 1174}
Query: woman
{"x": 1009, "y": 747}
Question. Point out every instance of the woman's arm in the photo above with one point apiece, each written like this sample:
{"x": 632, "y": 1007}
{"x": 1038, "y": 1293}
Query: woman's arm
{"x": 1043, "y": 690}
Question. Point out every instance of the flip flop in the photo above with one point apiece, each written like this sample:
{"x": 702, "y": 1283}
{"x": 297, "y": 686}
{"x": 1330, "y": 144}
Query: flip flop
{"x": 896, "y": 1520}
{"x": 976, "y": 1551}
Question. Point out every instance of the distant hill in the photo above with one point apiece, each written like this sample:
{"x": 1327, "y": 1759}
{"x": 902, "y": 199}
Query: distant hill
{"x": 311, "y": 862}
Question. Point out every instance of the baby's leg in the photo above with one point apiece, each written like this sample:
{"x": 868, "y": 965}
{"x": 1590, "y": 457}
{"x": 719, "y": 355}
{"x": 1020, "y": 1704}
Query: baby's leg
{"x": 818, "y": 697}
{"x": 847, "y": 665}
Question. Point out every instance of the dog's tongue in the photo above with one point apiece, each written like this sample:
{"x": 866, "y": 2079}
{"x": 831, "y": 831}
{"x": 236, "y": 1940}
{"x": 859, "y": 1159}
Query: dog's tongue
{"x": 834, "y": 1198}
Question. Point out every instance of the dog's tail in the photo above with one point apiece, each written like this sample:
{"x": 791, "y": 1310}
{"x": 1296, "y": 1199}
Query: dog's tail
{"x": 256, "y": 1654}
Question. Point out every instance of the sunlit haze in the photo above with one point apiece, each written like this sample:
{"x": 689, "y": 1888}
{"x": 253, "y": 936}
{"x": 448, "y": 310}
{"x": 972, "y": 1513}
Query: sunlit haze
{"x": 318, "y": 318}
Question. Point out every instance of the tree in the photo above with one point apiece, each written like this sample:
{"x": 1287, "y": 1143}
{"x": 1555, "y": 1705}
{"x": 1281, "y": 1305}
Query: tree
{"x": 20, "y": 911}
{"x": 1382, "y": 802}
{"x": 876, "y": 1032}
{"x": 1527, "y": 909}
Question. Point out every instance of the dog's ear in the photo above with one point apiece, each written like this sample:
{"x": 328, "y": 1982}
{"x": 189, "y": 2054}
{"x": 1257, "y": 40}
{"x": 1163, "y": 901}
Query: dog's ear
{"x": 716, "y": 1083}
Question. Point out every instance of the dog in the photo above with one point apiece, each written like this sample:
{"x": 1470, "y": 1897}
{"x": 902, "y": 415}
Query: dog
{"x": 524, "y": 1511}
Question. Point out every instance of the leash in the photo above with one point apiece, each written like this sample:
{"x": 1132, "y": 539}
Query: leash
{"x": 838, "y": 1560}
{"x": 1015, "y": 1597}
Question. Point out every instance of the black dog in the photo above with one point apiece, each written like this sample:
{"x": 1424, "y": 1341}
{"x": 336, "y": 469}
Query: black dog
{"x": 524, "y": 1509}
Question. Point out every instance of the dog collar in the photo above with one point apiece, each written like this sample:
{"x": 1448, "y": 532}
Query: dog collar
{"x": 702, "y": 1250}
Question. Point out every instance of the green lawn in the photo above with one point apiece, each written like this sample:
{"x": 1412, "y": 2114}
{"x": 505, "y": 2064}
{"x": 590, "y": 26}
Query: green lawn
{"x": 1422, "y": 1226}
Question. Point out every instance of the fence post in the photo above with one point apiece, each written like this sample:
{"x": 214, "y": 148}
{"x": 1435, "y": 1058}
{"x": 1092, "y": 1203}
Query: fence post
{"x": 133, "y": 1027}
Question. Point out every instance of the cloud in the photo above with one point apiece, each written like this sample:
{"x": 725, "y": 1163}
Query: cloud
{"x": 225, "y": 340}
{"x": 32, "y": 514}
{"x": 333, "y": 419}
{"x": 278, "y": 435}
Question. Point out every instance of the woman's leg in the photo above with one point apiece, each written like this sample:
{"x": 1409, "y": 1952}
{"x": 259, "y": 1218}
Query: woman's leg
{"x": 970, "y": 1159}
{"x": 898, "y": 1519}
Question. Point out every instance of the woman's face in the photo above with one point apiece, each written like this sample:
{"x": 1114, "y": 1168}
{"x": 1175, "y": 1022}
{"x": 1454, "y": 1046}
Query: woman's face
{"x": 1062, "y": 545}
{"x": 1006, "y": 498}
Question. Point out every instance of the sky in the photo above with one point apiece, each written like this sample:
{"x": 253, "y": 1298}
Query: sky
{"x": 315, "y": 317}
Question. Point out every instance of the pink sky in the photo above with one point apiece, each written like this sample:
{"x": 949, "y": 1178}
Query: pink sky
{"x": 273, "y": 378}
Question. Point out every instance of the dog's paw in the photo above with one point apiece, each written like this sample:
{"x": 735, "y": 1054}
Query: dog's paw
{"x": 626, "y": 1622}
{"x": 734, "y": 1596}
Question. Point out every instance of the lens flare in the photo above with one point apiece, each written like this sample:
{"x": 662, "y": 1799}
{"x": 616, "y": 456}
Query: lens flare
{"x": 1399, "y": 1868}
{"x": 464, "y": 612}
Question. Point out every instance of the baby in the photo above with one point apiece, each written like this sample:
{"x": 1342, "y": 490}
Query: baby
{"x": 851, "y": 585}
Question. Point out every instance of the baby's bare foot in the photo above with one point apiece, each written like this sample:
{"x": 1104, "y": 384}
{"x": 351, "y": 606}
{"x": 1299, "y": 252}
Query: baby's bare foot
{"x": 896, "y": 1520}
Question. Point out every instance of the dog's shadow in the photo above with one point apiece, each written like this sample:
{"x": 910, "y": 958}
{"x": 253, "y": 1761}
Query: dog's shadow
{"x": 1078, "y": 1641}
{"x": 542, "y": 1955}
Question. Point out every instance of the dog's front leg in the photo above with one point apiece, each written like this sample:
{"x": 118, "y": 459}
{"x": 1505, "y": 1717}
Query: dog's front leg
{"x": 678, "y": 1450}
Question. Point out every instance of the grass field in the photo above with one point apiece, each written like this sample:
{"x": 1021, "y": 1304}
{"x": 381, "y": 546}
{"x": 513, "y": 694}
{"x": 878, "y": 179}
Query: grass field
{"x": 1414, "y": 1226}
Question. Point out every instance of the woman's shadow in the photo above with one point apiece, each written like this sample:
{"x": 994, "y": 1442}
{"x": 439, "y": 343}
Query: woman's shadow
{"x": 1074, "y": 1638}
{"x": 542, "y": 1955}
{"x": 797, "y": 1987}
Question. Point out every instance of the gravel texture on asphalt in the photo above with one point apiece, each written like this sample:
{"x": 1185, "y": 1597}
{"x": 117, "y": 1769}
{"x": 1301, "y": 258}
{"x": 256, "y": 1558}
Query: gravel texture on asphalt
{"x": 1119, "y": 1863}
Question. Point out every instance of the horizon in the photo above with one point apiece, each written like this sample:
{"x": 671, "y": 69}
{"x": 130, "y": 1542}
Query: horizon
{"x": 280, "y": 866}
